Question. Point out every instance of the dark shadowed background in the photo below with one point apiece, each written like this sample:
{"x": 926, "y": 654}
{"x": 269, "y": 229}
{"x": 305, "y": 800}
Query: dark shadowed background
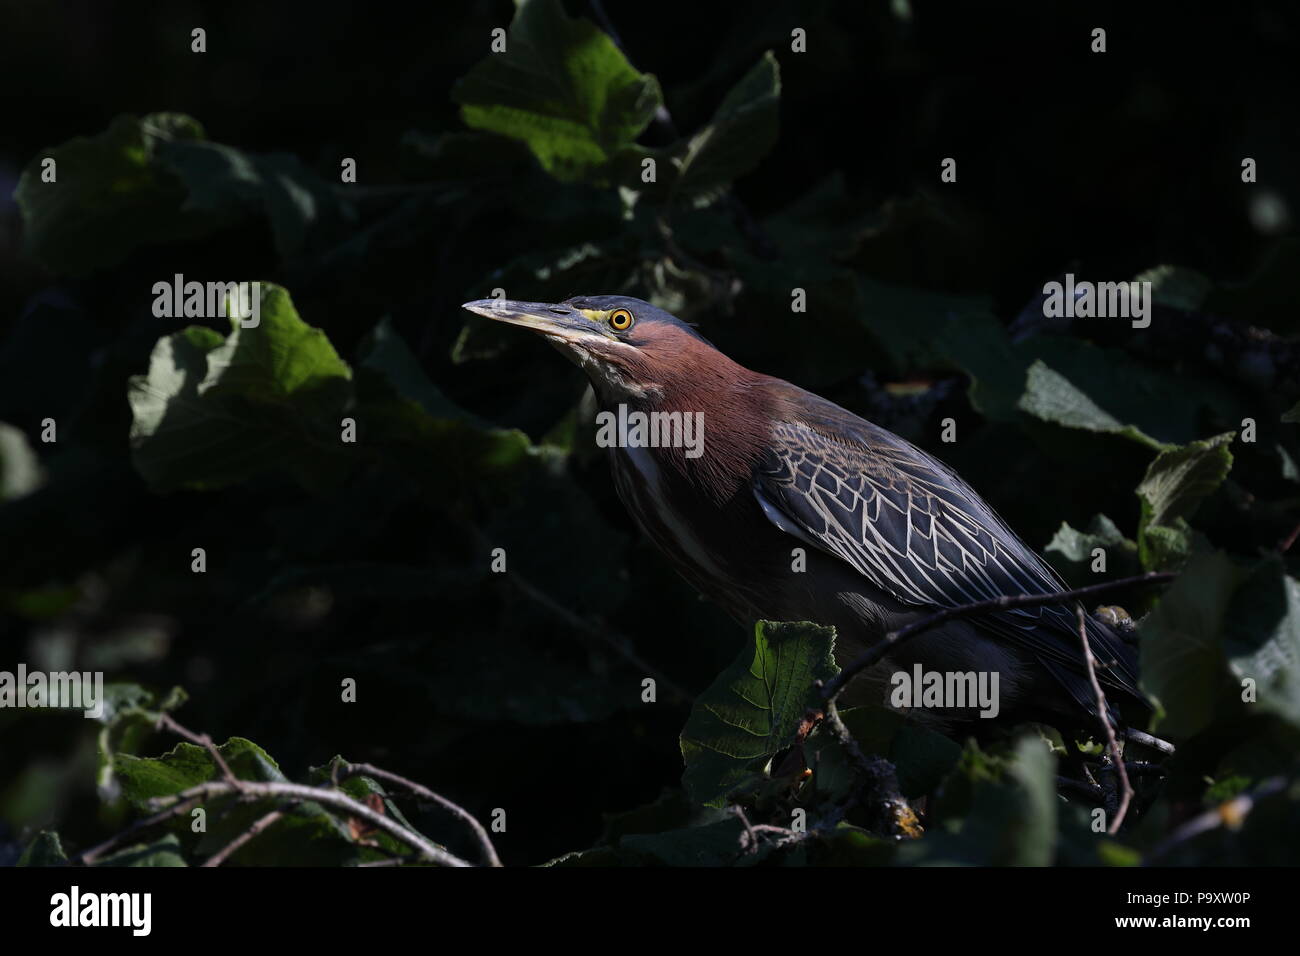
{"x": 523, "y": 690}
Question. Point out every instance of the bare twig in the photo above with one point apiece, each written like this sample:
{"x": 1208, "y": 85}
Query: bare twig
{"x": 333, "y": 799}
{"x": 166, "y": 722}
{"x": 1103, "y": 714}
{"x": 882, "y": 795}
{"x": 90, "y": 856}
{"x": 260, "y": 824}
{"x": 1231, "y": 813}
{"x": 1146, "y": 740}
{"x": 749, "y": 839}
{"x": 879, "y": 651}
{"x": 750, "y": 835}
{"x": 875, "y": 767}
{"x": 370, "y": 770}
{"x": 329, "y": 797}
{"x": 392, "y": 861}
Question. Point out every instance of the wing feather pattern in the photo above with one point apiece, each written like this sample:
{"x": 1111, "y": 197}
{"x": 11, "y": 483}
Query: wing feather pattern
{"x": 914, "y": 529}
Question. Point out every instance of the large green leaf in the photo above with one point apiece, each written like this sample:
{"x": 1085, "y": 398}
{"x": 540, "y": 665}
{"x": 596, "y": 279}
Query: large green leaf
{"x": 1071, "y": 550}
{"x": 112, "y": 194}
{"x": 187, "y": 765}
{"x": 1053, "y": 398}
{"x": 305, "y": 835}
{"x": 564, "y": 88}
{"x": 993, "y": 811}
{"x": 419, "y": 429}
{"x": 753, "y": 709}
{"x": 211, "y": 412}
{"x": 20, "y": 469}
{"x": 1076, "y": 384}
{"x": 46, "y": 849}
{"x": 1262, "y": 637}
{"x": 917, "y": 328}
{"x": 738, "y": 136}
{"x": 221, "y": 180}
{"x": 1176, "y": 482}
{"x": 921, "y": 756}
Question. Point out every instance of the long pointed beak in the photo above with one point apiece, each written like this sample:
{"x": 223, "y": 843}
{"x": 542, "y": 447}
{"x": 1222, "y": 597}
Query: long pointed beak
{"x": 562, "y": 322}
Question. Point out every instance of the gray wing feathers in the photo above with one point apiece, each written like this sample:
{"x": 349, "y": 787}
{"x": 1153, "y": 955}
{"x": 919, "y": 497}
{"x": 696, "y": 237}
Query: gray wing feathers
{"x": 916, "y": 531}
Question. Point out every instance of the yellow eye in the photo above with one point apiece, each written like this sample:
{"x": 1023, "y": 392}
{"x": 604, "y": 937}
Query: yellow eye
{"x": 620, "y": 320}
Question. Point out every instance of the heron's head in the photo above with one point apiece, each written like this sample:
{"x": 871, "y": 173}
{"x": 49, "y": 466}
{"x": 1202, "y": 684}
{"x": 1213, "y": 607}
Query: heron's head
{"x": 628, "y": 347}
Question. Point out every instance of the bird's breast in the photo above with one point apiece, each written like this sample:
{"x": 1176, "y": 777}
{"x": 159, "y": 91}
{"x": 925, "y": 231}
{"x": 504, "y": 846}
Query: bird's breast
{"x": 697, "y": 536}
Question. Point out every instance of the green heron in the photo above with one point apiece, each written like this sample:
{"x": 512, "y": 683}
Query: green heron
{"x": 889, "y": 532}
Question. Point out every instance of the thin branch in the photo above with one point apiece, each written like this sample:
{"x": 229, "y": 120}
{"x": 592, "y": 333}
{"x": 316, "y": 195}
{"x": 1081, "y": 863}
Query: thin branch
{"x": 749, "y": 839}
{"x": 1103, "y": 714}
{"x": 897, "y": 818}
{"x": 1146, "y": 740}
{"x": 878, "y": 652}
{"x": 90, "y": 856}
{"x": 166, "y": 722}
{"x": 370, "y": 770}
{"x": 1231, "y": 813}
{"x": 173, "y": 805}
{"x": 392, "y": 861}
{"x": 334, "y": 799}
{"x": 260, "y": 824}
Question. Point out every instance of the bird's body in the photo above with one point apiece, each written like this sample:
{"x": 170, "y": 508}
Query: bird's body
{"x": 800, "y": 510}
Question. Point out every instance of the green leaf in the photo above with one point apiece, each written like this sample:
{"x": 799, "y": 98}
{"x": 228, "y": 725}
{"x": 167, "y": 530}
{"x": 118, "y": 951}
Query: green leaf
{"x": 397, "y": 372}
{"x": 1175, "y": 484}
{"x": 409, "y": 420}
{"x": 993, "y": 811}
{"x": 1051, "y": 396}
{"x": 1079, "y": 385}
{"x": 130, "y": 716}
{"x": 307, "y": 835}
{"x": 187, "y": 765}
{"x": 1182, "y": 657}
{"x": 564, "y": 88}
{"x": 360, "y": 788}
{"x": 20, "y": 469}
{"x": 46, "y": 849}
{"x": 1071, "y": 551}
{"x": 211, "y": 412}
{"x": 1292, "y": 414}
{"x": 1262, "y": 638}
{"x": 112, "y": 194}
{"x": 918, "y": 329}
{"x": 1166, "y": 546}
{"x": 221, "y": 181}
{"x": 816, "y": 231}
{"x": 921, "y": 756}
{"x": 753, "y": 709}
{"x": 743, "y": 129}
{"x": 1180, "y": 478}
